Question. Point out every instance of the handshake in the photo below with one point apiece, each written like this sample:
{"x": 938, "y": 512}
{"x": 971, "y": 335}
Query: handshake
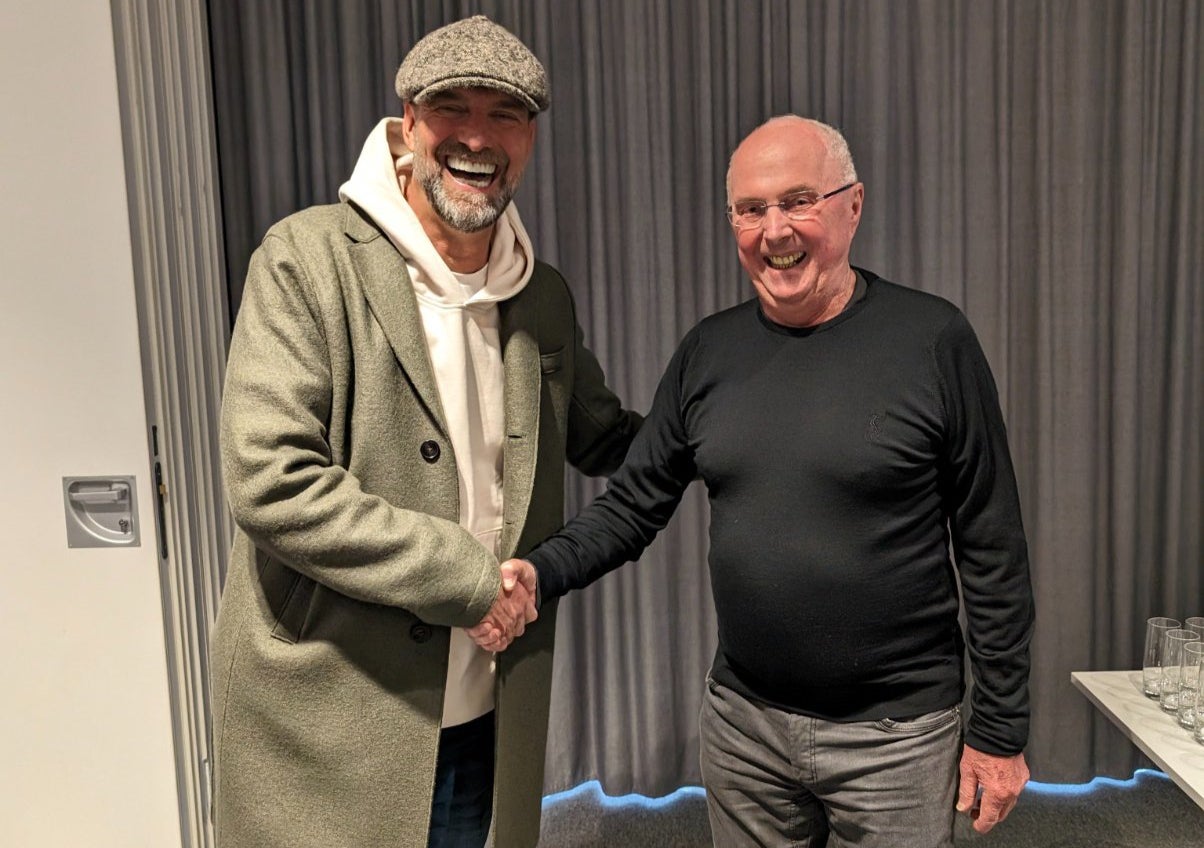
{"x": 513, "y": 610}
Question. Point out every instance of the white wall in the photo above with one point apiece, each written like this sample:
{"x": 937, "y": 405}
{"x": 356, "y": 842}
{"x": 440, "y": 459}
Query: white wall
{"x": 85, "y": 736}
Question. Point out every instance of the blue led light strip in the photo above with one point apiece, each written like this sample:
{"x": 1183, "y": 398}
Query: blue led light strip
{"x": 592, "y": 790}
{"x": 1076, "y": 789}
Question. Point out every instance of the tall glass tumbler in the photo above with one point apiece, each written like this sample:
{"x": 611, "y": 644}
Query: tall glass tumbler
{"x": 1172, "y": 663}
{"x": 1196, "y": 623}
{"x": 1189, "y": 683}
{"x": 1151, "y": 664}
{"x": 1199, "y": 731}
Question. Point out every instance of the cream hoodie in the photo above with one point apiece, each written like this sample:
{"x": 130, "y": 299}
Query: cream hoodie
{"x": 460, "y": 316}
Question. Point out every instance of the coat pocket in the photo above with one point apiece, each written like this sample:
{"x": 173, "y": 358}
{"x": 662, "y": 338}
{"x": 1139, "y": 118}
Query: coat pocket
{"x": 288, "y": 594}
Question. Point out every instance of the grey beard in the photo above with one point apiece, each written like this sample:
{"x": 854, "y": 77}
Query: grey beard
{"x": 467, "y": 216}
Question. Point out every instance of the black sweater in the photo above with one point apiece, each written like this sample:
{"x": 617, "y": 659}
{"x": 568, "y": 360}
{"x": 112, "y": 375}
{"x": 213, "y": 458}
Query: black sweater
{"x": 841, "y": 461}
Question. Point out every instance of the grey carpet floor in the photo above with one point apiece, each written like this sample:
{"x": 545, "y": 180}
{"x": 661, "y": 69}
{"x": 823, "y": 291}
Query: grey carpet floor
{"x": 1148, "y": 811}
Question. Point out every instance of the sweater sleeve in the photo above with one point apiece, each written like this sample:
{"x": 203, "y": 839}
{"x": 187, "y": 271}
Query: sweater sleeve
{"x": 639, "y": 500}
{"x": 983, "y": 508}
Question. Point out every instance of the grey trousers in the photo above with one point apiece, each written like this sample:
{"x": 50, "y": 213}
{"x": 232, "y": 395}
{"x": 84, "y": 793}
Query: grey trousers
{"x": 778, "y": 779}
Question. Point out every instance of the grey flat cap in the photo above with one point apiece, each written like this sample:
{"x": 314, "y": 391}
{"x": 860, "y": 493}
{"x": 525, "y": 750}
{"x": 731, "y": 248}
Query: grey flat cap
{"x": 474, "y": 52}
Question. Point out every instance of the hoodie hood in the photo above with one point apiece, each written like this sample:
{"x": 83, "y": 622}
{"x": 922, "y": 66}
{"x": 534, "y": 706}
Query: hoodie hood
{"x": 377, "y": 186}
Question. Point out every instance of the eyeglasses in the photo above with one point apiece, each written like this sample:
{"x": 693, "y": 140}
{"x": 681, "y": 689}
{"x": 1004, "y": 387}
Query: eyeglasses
{"x": 797, "y": 207}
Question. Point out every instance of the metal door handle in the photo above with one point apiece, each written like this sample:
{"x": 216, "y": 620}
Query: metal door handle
{"x": 113, "y": 495}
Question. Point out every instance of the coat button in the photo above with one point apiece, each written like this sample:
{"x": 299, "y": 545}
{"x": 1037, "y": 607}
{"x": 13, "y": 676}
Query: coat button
{"x": 429, "y": 450}
{"x": 421, "y": 633}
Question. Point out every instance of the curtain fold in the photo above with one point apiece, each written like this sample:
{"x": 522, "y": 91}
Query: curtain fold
{"x": 1037, "y": 163}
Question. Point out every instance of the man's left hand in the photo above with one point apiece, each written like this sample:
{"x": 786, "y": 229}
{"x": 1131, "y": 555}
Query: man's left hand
{"x": 999, "y": 778}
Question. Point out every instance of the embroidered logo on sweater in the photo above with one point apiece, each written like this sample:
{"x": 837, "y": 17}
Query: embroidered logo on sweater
{"x": 873, "y": 427}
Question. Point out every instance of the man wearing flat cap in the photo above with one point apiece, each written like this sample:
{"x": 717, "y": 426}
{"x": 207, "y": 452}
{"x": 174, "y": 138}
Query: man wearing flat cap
{"x": 404, "y": 385}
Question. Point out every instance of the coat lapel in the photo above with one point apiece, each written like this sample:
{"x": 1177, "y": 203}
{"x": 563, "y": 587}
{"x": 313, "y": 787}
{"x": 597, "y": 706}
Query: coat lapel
{"x": 390, "y": 294}
{"x": 520, "y": 352}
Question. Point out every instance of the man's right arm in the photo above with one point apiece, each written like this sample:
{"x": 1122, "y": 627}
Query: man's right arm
{"x": 291, "y": 497}
{"x": 638, "y": 502}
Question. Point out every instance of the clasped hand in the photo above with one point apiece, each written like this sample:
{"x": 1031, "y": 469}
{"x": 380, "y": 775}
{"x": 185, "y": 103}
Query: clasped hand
{"x": 513, "y": 610}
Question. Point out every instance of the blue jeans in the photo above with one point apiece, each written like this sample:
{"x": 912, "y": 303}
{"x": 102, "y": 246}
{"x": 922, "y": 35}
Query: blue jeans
{"x": 463, "y": 804}
{"x": 776, "y": 778}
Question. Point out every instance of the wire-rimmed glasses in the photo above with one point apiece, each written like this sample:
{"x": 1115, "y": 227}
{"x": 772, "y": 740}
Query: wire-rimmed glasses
{"x": 798, "y": 206}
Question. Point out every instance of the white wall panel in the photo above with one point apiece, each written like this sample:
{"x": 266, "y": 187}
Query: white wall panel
{"x": 85, "y": 735}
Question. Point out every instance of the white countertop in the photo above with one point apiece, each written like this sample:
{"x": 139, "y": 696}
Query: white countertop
{"x": 1118, "y": 695}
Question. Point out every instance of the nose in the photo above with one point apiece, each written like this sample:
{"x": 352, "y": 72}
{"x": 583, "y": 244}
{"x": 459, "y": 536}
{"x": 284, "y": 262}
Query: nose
{"x": 474, "y": 133}
{"x": 776, "y": 225}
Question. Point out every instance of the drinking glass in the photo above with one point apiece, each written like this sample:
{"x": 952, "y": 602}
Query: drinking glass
{"x": 1151, "y": 664}
{"x": 1172, "y": 662}
{"x": 1199, "y": 731}
{"x": 1196, "y": 623}
{"x": 1189, "y": 683}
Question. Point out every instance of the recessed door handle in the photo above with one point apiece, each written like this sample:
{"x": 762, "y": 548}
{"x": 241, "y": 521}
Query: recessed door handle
{"x": 101, "y": 511}
{"x": 102, "y": 496}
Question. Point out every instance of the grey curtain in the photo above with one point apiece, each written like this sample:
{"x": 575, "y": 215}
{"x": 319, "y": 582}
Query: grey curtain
{"x": 1037, "y": 163}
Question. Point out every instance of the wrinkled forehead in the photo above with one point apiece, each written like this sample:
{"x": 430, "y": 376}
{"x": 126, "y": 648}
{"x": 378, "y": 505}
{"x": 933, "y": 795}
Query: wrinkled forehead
{"x": 780, "y": 159}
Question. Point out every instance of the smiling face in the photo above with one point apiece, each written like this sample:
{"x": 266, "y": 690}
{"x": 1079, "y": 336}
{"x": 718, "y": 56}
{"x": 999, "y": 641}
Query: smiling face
{"x": 470, "y": 148}
{"x": 800, "y": 269}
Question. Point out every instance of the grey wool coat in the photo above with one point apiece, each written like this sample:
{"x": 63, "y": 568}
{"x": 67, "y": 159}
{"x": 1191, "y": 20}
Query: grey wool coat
{"x": 349, "y": 568}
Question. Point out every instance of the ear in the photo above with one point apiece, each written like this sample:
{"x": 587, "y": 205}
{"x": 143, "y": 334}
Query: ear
{"x": 855, "y": 206}
{"x": 408, "y": 119}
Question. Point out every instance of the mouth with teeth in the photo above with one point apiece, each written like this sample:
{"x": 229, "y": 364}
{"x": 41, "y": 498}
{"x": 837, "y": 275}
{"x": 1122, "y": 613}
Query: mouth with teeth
{"x": 781, "y": 263}
{"x": 474, "y": 174}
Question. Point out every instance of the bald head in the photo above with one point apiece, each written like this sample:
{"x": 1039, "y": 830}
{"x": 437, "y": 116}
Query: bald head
{"x": 827, "y": 140}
